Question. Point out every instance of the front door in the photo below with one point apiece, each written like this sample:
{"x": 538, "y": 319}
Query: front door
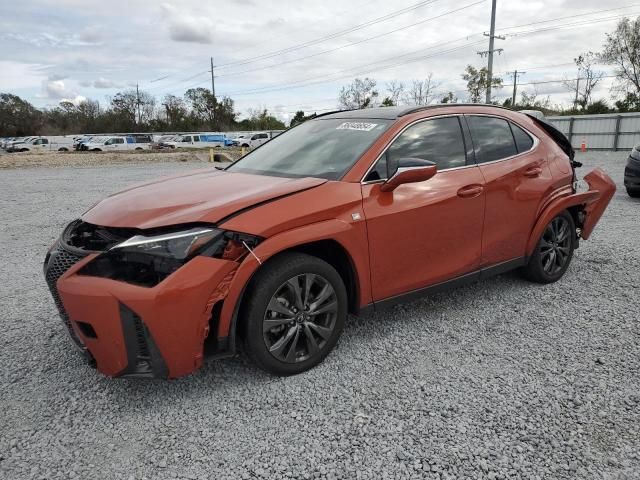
{"x": 424, "y": 233}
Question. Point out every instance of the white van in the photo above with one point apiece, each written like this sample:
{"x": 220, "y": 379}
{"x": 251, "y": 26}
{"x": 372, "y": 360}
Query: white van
{"x": 253, "y": 140}
{"x": 45, "y": 144}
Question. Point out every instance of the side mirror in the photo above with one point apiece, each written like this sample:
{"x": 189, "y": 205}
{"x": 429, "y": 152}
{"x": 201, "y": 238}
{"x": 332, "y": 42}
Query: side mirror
{"x": 410, "y": 170}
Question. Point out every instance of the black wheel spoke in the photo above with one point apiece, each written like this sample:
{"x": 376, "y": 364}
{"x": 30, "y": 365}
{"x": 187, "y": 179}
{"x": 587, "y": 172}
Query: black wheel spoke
{"x": 309, "y": 280}
{"x": 271, "y": 323}
{"x": 312, "y": 343}
{"x": 276, "y": 306}
{"x": 294, "y": 285}
{"x": 278, "y": 347}
{"x": 324, "y": 332}
{"x": 327, "y": 307}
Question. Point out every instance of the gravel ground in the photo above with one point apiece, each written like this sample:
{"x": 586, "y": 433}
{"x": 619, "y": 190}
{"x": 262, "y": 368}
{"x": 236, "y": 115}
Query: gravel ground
{"x": 500, "y": 379}
{"x": 84, "y": 159}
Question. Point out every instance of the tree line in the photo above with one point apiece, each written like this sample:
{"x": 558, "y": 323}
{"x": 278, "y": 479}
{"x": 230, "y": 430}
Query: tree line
{"x": 131, "y": 111}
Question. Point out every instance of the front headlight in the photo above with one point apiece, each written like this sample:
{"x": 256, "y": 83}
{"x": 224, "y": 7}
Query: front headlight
{"x": 178, "y": 245}
{"x": 146, "y": 260}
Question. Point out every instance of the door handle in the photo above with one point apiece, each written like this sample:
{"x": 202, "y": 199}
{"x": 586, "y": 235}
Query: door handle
{"x": 470, "y": 191}
{"x": 533, "y": 172}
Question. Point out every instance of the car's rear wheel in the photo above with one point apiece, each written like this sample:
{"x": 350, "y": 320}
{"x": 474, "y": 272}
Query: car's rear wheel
{"x": 554, "y": 250}
{"x": 295, "y": 309}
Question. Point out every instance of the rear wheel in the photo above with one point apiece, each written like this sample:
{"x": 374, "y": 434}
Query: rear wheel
{"x": 554, "y": 251}
{"x": 295, "y": 310}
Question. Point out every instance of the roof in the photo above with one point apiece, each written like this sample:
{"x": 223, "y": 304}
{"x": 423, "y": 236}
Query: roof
{"x": 391, "y": 113}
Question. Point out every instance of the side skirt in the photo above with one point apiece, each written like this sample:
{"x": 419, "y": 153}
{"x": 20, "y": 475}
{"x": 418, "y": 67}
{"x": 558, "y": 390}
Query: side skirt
{"x": 447, "y": 285}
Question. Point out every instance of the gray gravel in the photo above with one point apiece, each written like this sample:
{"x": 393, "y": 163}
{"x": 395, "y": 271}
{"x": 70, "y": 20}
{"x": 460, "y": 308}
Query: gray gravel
{"x": 501, "y": 379}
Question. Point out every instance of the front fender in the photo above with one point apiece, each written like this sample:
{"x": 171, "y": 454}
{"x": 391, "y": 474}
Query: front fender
{"x": 593, "y": 202}
{"x": 352, "y": 236}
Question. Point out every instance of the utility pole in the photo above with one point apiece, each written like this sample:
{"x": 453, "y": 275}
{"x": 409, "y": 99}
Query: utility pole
{"x": 515, "y": 74}
{"x": 492, "y": 36}
{"x": 138, "y": 102}
{"x": 213, "y": 91}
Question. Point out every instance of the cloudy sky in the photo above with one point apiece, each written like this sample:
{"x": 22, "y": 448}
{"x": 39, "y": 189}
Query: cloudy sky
{"x": 289, "y": 55}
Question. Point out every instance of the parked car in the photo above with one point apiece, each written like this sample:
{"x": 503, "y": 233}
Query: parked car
{"x": 632, "y": 173}
{"x": 345, "y": 213}
{"x": 118, "y": 143}
{"x": 162, "y": 141}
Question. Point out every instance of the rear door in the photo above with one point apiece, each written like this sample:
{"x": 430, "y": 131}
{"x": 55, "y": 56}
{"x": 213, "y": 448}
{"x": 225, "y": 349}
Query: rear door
{"x": 424, "y": 233}
{"x": 517, "y": 178}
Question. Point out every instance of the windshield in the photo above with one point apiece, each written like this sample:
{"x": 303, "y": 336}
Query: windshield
{"x": 323, "y": 148}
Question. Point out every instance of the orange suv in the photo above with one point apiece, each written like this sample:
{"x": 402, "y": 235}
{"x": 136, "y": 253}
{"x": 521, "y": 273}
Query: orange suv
{"x": 345, "y": 213}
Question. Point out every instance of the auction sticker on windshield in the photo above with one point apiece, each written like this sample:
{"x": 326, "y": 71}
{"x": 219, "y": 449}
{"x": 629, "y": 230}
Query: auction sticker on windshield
{"x": 363, "y": 127}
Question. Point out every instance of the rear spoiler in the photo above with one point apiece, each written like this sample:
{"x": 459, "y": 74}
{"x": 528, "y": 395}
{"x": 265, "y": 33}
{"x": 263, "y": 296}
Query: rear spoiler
{"x": 561, "y": 140}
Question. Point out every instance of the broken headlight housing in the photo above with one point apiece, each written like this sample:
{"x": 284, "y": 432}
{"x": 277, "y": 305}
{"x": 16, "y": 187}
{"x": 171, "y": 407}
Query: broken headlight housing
{"x": 147, "y": 259}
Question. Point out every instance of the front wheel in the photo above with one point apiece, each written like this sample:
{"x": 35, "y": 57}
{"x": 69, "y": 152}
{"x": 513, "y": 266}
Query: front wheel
{"x": 553, "y": 252}
{"x": 295, "y": 309}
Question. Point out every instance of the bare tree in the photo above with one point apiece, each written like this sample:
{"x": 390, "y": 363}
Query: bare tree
{"x": 588, "y": 78}
{"x": 395, "y": 90}
{"x": 361, "y": 93}
{"x": 421, "y": 92}
{"x": 622, "y": 49}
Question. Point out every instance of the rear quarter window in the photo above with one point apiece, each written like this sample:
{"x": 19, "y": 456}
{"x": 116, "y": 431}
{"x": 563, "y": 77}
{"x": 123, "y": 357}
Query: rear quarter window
{"x": 492, "y": 138}
{"x": 524, "y": 142}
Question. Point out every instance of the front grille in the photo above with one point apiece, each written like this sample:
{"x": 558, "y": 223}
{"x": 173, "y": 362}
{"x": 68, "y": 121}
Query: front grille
{"x": 141, "y": 339}
{"x": 60, "y": 261}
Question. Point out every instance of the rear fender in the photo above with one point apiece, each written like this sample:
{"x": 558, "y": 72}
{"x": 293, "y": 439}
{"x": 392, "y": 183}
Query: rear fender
{"x": 553, "y": 209}
{"x": 351, "y": 236}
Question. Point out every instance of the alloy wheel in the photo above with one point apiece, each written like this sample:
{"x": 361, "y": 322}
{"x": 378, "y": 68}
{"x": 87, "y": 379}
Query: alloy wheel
{"x": 300, "y": 318}
{"x": 555, "y": 246}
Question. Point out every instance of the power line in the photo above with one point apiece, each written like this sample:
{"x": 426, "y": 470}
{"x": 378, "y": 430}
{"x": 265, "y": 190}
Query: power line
{"x": 340, "y": 33}
{"x": 352, "y": 43}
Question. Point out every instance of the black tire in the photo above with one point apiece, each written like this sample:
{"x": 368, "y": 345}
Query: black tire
{"x": 295, "y": 340}
{"x": 245, "y": 145}
{"x": 138, "y": 148}
{"x": 633, "y": 193}
{"x": 553, "y": 252}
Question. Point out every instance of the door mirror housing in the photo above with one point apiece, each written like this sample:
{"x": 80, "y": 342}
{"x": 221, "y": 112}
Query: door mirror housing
{"x": 410, "y": 170}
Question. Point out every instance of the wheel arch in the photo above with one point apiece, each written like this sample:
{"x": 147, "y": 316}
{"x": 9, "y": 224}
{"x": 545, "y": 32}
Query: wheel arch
{"x": 329, "y": 246}
{"x": 574, "y": 204}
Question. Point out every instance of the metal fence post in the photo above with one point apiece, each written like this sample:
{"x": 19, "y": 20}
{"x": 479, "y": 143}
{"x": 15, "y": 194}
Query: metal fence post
{"x": 617, "y": 133}
{"x": 571, "y": 130}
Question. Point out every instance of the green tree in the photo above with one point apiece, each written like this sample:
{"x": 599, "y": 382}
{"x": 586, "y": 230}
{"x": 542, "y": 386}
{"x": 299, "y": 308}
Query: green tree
{"x": 630, "y": 103}
{"x": 17, "y": 116}
{"x": 387, "y": 102}
{"x": 478, "y": 82}
{"x": 203, "y": 105}
{"x": 449, "y": 98}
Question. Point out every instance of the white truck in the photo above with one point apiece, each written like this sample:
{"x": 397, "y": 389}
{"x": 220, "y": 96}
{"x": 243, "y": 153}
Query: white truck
{"x": 253, "y": 140}
{"x": 118, "y": 143}
{"x": 44, "y": 144}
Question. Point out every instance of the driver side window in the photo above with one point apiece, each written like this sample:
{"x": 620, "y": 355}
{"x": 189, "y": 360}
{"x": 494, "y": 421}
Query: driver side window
{"x": 439, "y": 140}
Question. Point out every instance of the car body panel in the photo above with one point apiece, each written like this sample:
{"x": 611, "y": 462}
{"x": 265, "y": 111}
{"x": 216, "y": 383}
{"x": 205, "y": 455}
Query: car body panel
{"x": 423, "y": 233}
{"x": 205, "y": 196}
{"x": 177, "y": 308}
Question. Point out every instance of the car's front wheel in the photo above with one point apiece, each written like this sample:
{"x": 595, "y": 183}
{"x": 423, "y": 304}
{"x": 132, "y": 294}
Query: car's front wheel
{"x": 633, "y": 192}
{"x": 295, "y": 309}
{"x": 554, "y": 250}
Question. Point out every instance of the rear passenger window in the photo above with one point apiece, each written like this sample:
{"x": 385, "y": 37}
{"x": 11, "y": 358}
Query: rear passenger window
{"x": 492, "y": 138}
{"x": 524, "y": 141}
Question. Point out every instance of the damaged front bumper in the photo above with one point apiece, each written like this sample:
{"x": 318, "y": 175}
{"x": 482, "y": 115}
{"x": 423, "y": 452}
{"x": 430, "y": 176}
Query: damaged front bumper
{"x": 130, "y": 330}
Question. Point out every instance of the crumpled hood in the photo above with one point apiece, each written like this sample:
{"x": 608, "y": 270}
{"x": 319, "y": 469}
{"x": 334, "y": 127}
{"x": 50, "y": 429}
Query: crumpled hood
{"x": 202, "y": 196}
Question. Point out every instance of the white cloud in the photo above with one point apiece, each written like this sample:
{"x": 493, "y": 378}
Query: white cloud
{"x": 105, "y": 83}
{"x": 187, "y": 27}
